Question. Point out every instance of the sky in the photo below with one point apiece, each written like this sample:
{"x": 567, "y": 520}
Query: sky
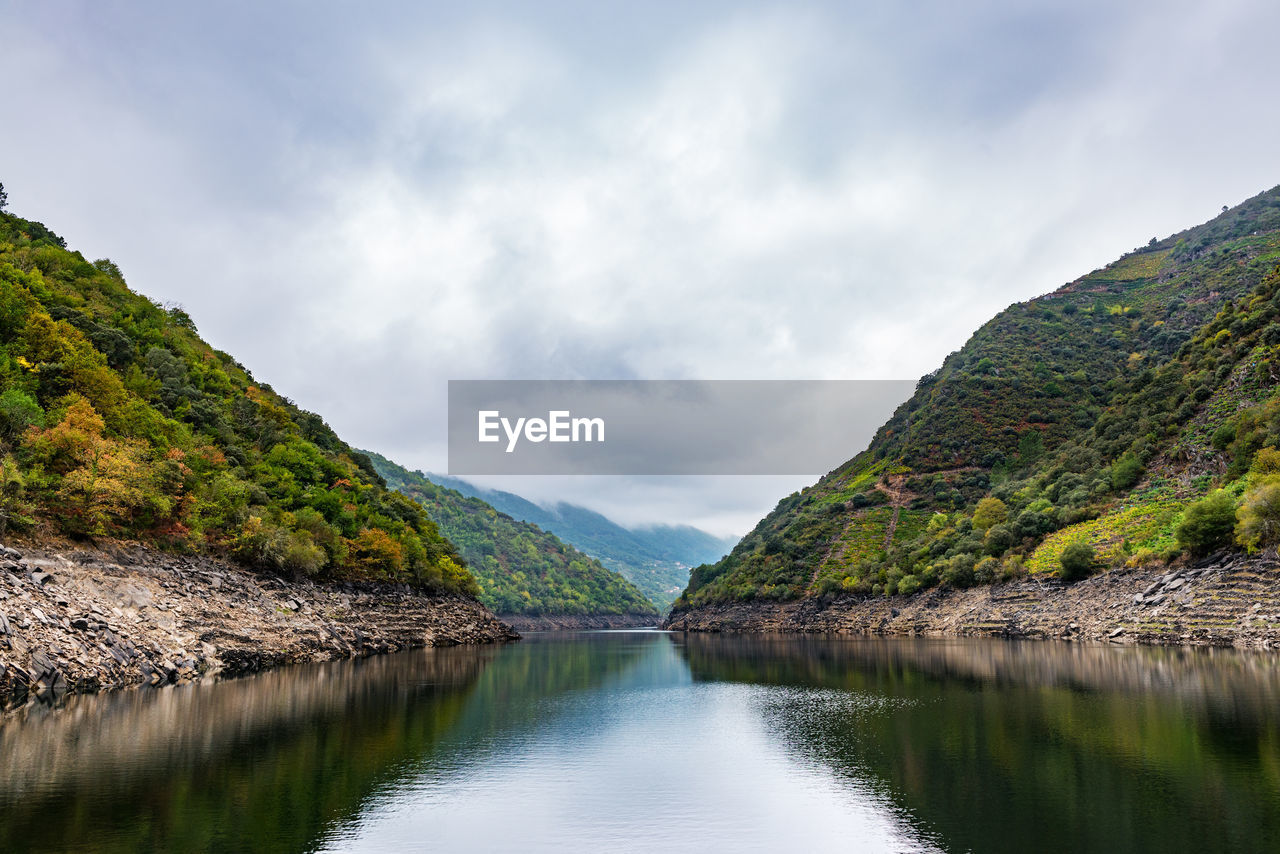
{"x": 362, "y": 201}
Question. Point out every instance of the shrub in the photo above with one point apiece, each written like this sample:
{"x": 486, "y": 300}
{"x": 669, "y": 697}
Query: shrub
{"x": 958, "y": 571}
{"x": 998, "y": 540}
{"x": 1077, "y": 560}
{"x": 1266, "y": 461}
{"x": 1034, "y": 522}
{"x": 13, "y": 509}
{"x": 990, "y": 511}
{"x": 302, "y": 556}
{"x": 18, "y": 411}
{"x": 260, "y": 543}
{"x": 1013, "y": 568}
{"x": 1143, "y": 557}
{"x": 1223, "y": 436}
{"x": 1126, "y": 472}
{"x": 984, "y": 572}
{"x": 1258, "y": 520}
{"x": 1208, "y": 524}
{"x": 377, "y": 553}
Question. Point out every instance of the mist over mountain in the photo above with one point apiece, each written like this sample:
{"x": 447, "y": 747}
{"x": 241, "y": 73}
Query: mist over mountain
{"x": 655, "y": 558}
{"x": 520, "y": 568}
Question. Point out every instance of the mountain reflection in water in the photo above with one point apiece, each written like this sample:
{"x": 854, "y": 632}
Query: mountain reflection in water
{"x": 636, "y": 741}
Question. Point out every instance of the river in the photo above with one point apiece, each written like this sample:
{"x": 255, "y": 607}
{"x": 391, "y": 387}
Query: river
{"x": 645, "y": 741}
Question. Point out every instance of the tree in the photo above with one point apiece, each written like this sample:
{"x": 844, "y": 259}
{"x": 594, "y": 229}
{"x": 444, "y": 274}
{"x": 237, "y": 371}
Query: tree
{"x": 4, "y": 198}
{"x": 1208, "y": 524}
{"x": 18, "y": 411}
{"x": 1077, "y": 560}
{"x": 1259, "y": 516}
{"x": 1030, "y": 448}
{"x": 998, "y": 540}
{"x": 12, "y": 485}
{"x": 1126, "y": 472}
{"x": 100, "y": 485}
{"x": 990, "y": 511}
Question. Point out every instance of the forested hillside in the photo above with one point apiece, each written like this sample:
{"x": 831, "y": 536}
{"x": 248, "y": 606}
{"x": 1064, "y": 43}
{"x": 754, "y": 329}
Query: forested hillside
{"x": 118, "y": 421}
{"x": 520, "y": 569}
{"x": 1128, "y": 417}
{"x": 656, "y": 559}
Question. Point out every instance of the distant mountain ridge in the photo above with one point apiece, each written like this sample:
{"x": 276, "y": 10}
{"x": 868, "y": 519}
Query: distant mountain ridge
{"x": 521, "y": 569}
{"x": 657, "y": 558}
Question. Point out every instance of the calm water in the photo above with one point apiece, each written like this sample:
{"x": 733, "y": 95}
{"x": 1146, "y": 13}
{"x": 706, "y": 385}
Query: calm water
{"x": 642, "y": 741}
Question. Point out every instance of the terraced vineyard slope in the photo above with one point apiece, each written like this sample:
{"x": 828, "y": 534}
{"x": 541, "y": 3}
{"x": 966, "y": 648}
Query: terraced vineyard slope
{"x": 1129, "y": 417}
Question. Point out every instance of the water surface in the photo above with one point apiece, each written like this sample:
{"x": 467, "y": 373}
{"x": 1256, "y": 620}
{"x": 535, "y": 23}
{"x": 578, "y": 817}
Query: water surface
{"x": 643, "y": 741}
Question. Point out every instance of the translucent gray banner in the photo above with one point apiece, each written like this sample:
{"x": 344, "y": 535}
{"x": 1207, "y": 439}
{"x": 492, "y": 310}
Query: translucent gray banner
{"x": 664, "y": 427}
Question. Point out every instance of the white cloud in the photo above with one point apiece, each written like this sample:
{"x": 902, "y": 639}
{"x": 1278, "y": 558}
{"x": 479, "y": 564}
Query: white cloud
{"x": 386, "y": 203}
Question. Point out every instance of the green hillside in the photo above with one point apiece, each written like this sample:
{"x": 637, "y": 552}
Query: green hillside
{"x": 118, "y": 421}
{"x": 656, "y": 559}
{"x": 1083, "y": 429}
{"x": 520, "y": 568}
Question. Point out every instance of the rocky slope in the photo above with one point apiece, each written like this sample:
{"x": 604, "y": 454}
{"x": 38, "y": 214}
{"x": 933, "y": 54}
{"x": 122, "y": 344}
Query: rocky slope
{"x": 571, "y": 622}
{"x": 86, "y": 620}
{"x": 1228, "y": 600}
{"x": 1128, "y": 419}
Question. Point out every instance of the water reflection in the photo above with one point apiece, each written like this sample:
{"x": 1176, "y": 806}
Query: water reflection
{"x": 642, "y": 759}
{"x": 271, "y": 762}
{"x": 1000, "y": 746}
{"x": 261, "y": 763}
{"x": 644, "y": 741}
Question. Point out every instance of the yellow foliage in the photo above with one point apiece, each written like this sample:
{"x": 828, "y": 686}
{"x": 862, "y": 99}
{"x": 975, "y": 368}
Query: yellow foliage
{"x": 377, "y": 553}
{"x": 1266, "y": 462}
{"x": 990, "y": 511}
{"x": 70, "y": 443}
{"x": 105, "y": 482}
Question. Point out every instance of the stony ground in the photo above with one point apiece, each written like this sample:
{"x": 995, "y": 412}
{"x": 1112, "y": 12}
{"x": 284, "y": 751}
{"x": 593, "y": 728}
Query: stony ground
{"x": 89, "y": 620}
{"x": 1223, "y": 601}
{"x": 565, "y": 622}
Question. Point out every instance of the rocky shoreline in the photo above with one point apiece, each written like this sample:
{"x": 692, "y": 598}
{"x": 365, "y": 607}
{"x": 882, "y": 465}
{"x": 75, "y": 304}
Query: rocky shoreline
{"x": 1227, "y": 600}
{"x": 571, "y": 622}
{"x": 84, "y": 620}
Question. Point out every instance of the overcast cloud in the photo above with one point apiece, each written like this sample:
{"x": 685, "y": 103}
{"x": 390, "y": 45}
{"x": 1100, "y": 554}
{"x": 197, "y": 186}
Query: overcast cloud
{"x": 363, "y": 201}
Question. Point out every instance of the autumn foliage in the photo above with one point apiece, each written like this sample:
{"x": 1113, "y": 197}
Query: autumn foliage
{"x": 117, "y": 420}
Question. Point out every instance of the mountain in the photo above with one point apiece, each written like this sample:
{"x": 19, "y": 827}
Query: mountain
{"x": 656, "y": 558}
{"x": 1128, "y": 417}
{"x": 118, "y": 421}
{"x": 521, "y": 569}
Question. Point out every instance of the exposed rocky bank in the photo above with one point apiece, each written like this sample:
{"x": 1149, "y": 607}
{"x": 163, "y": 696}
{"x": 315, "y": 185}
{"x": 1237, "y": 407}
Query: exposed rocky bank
{"x": 568, "y": 622}
{"x": 1227, "y": 600}
{"x": 88, "y": 620}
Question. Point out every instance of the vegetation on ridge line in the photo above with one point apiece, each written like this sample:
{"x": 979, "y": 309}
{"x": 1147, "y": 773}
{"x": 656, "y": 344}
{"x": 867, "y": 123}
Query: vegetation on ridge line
{"x": 520, "y": 569}
{"x": 1103, "y": 413}
{"x": 656, "y": 559}
{"x": 117, "y": 420}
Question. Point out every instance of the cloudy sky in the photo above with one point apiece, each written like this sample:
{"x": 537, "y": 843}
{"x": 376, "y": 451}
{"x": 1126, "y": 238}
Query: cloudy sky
{"x": 361, "y": 201}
